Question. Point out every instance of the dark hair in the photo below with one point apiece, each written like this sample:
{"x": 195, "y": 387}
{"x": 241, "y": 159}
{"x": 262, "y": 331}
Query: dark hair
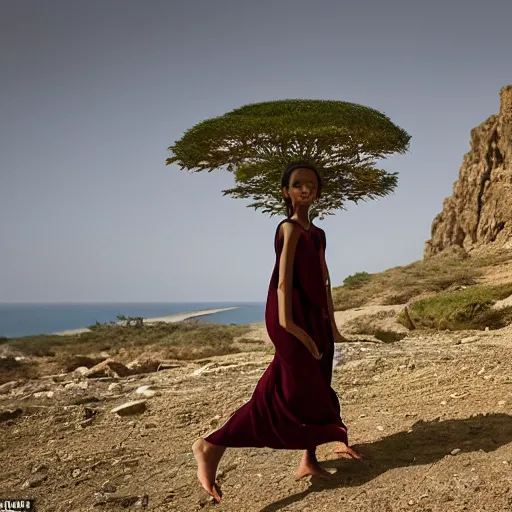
{"x": 285, "y": 181}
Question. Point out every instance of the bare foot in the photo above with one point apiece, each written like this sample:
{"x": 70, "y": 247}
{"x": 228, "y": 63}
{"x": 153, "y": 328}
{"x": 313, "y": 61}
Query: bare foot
{"x": 343, "y": 449}
{"x": 208, "y": 457}
{"x": 310, "y": 466}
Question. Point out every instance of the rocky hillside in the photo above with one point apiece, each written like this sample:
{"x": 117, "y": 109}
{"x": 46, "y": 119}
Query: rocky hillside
{"x": 479, "y": 212}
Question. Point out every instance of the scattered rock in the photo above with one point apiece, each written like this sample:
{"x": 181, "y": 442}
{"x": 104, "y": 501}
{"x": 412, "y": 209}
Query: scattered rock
{"x": 108, "y": 487}
{"x": 76, "y": 473}
{"x": 130, "y": 408}
{"x": 169, "y": 497}
{"x": 77, "y": 385}
{"x": 60, "y": 377}
{"x": 115, "y": 386}
{"x": 501, "y": 403}
{"x": 86, "y": 400}
{"x": 108, "y": 368}
{"x": 202, "y": 369}
{"x": 90, "y": 413}
{"x": 146, "y": 391}
{"x": 215, "y": 420}
{"x": 143, "y": 501}
{"x": 124, "y": 501}
{"x": 40, "y": 475}
{"x": 455, "y": 451}
{"x": 84, "y": 423}
{"x": 168, "y": 366}
{"x": 380, "y": 428}
{"x": 470, "y": 339}
{"x": 39, "y": 469}
{"x": 144, "y": 366}
{"x": 79, "y": 361}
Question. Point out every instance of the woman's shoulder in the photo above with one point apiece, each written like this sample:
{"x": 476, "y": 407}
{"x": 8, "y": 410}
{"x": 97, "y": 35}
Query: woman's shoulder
{"x": 288, "y": 227}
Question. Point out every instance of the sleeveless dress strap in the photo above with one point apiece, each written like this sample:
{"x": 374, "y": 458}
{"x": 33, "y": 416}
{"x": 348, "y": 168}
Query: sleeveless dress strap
{"x": 277, "y": 231}
{"x": 311, "y": 226}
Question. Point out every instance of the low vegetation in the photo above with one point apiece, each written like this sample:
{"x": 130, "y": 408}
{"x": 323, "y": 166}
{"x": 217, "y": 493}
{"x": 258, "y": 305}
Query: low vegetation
{"x": 469, "y": 308}
{"x": 181, "y": 340}
{"x": 357, "y": 280}
{"x": 400, "y": 285}
{"x": 447, "y": 292}
{"x": 12, "y": 369}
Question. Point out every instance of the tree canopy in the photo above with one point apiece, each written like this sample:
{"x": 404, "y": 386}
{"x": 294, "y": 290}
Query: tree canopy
{"x": 255, "y": 142}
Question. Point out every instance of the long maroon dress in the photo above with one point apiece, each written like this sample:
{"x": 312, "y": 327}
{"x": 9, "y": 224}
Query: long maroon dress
{"x": 293, "y": 406}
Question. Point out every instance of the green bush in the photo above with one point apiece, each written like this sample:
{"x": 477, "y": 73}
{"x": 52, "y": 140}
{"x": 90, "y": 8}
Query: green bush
{"x": 469, "y": 308}
{"x": 357, "y": 279}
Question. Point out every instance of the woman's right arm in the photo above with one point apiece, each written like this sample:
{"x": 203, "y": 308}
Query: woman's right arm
{"x": 290, "y": 234}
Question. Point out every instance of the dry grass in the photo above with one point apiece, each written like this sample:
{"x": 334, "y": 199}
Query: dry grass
{"x": 400, "y": 285}
{"x": 181, "y": 340}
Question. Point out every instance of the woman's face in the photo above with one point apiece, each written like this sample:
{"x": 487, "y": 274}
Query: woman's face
{"x": 302, "y": 188}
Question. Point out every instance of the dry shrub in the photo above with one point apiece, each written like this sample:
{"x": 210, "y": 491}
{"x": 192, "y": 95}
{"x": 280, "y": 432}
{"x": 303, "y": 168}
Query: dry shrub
{"x": 12, "y": 369}
{"x": 180, "y": 340}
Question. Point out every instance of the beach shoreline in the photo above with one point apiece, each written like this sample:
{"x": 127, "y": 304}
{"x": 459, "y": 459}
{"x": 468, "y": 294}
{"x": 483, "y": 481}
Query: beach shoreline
{"x": 168, "y": 319}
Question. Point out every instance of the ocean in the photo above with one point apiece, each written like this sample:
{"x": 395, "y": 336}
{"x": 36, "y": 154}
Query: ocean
{"x": 17, "y": 320}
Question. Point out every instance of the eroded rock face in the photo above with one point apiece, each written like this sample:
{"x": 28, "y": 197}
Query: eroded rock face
{"x": 479, "y": 212}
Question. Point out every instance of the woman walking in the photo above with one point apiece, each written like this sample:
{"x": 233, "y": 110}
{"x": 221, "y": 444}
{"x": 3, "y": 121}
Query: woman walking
{"x": 293, "y": 406}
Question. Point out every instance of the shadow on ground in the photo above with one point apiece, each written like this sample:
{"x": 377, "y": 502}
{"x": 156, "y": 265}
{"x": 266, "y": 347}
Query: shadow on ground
{"x": 427, "y": 442}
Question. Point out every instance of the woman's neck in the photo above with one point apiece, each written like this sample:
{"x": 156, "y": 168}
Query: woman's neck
{"x": 301, "y": 215}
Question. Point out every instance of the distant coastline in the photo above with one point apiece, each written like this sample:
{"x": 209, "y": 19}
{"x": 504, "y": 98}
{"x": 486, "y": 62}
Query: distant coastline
{"x": 168, "y": 319}
{"x": 19, "y": 320}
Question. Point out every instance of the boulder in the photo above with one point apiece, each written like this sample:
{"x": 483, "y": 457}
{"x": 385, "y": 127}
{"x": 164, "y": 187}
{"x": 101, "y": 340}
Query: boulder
{"x": 130, "y": 408}
{"x": 108, "y": 368}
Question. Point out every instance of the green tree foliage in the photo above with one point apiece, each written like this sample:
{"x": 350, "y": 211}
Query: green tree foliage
{"x": 255, "y": 143}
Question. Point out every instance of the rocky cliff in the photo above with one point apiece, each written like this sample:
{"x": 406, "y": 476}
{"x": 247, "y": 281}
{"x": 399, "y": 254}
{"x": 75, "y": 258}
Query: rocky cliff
{"x": 479, "y": 212}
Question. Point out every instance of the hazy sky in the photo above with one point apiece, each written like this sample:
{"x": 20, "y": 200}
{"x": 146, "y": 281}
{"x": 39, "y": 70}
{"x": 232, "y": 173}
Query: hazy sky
{"x": 93, "y": 92}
